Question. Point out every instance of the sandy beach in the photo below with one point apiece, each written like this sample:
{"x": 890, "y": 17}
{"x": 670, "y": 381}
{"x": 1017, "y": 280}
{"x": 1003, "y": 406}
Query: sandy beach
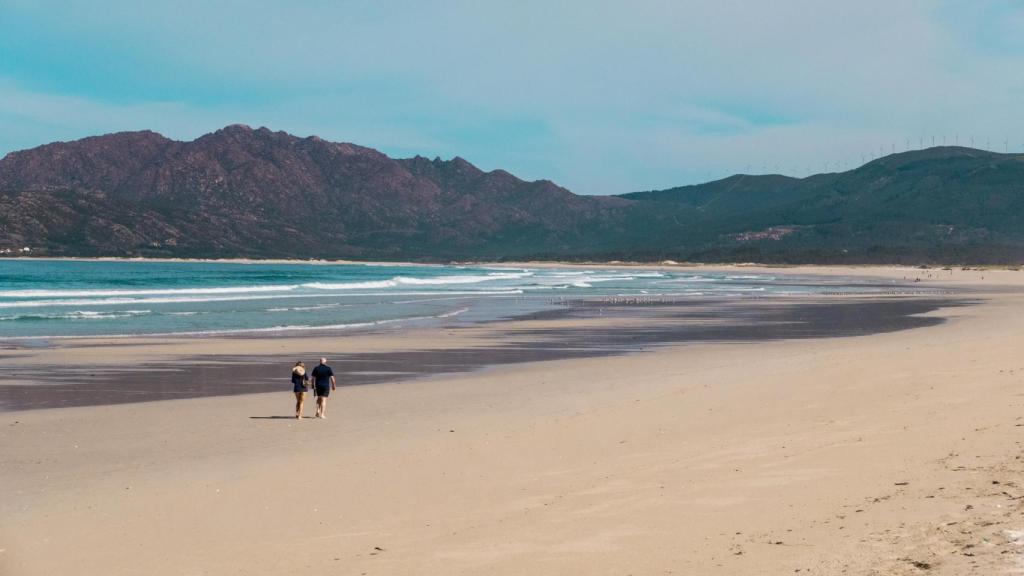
{"x": 888, "y": 453}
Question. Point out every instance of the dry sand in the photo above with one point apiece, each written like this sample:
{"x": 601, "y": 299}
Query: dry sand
{"x": 894, "y": 453}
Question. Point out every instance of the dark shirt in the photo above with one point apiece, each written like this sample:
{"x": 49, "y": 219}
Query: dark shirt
{"x": 322, "y": 375}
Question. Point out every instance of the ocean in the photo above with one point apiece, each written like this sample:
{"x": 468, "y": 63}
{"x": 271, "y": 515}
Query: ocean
{"x": 54, "y": 299}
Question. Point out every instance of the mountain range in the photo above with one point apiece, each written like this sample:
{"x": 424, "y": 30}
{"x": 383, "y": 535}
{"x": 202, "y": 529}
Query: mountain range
{"x": 243, "y": 192}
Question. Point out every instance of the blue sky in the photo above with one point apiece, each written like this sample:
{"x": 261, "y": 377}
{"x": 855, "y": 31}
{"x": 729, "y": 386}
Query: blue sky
{"x": 601, "y": 97}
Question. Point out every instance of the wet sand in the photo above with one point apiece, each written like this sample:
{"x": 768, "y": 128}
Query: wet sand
{"x": 674, "y": 443}
{"x": 579, "y": 329}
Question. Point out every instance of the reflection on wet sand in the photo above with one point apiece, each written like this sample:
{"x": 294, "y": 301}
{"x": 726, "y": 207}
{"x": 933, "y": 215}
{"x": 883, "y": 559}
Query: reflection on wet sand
{"x": 579, "y": 329}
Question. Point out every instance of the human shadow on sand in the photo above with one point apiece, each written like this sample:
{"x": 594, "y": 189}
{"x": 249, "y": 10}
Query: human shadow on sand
{"x": 275, "y": 417}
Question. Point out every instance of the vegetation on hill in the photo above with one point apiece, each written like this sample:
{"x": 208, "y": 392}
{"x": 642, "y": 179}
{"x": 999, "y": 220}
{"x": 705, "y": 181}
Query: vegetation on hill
{"x": 243, "y": 192}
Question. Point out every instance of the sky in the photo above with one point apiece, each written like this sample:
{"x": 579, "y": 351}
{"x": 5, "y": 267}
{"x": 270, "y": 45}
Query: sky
{"x": 600, "y": 97}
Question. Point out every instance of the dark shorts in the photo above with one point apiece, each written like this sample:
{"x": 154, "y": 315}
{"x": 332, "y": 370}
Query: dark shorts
{"x": 298, "y": 389}
{"x": 324, "y": 391}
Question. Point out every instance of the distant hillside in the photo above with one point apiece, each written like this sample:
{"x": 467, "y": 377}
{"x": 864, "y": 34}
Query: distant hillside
{"x": 947, "y": 204}
{"x": 257, "y": 193}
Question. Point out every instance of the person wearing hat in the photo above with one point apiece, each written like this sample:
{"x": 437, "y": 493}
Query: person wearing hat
{"x": 300, "y": 385}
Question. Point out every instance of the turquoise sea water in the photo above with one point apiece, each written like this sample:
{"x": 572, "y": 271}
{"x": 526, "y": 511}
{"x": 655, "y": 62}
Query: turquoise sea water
{"x": 60, "y": 299}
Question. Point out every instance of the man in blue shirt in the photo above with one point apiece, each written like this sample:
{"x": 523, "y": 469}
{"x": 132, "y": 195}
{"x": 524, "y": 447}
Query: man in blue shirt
{"x": 323, "y": 383}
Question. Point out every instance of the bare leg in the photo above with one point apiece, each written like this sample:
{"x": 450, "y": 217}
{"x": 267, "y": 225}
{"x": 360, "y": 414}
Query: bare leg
{"x": 300, "y": 399}
{"x": 323, "y": 407}
{"x": 319, "y": 406}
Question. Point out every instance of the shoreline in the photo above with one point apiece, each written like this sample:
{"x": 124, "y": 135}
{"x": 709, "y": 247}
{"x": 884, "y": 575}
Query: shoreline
{"x": 115, "y": 370}
{"x": 654, "y": 264}
{"x": 904, "y": 282}
{"x": 975, "y": 277}
{"x": 415, "y": 323}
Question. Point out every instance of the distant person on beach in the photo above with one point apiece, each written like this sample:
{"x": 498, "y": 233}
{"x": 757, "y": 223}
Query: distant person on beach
{"x": 300, "y": 385}
{"x": 323, "y": 383}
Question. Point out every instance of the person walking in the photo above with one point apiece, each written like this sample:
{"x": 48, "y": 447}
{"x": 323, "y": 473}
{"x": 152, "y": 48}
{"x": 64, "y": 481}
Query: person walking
{"x": 323, "y": 383}
{"x": 300, "y": 385}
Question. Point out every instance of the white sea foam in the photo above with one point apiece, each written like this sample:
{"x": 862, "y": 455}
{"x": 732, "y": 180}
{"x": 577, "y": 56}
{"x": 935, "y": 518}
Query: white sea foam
{"x": 501, "y": 269}
{"x": 240, "y": 298}
{"x": 588, "y": 281}
{"x": 444, "y": 280}
{"x": 573, "y": 279}
{"x": 544, "y": 287}
{"x": 269, "y": 329}
{"x": 416, "y": 281}
{"x": 123, "y": 301}
{"x": 351, "y": 285}
{"x": 308, "y": 308}
{"x": 511, "y": 291}
{"x": 421, "y": 300}
{"x": 214, "y": 290}
{"x": 609, "y": 278}
{"x": 452, "y": 313}
{"x": 561, "y": 274}
{"x": 611, "y": 274}
{"x": 143, "y": 292}
{"x": 688, "y": 279}
{"x": 78, "y": 315}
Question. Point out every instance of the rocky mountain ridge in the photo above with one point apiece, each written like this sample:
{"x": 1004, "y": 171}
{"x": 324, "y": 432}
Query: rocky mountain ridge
{"x": 244, "y": 192}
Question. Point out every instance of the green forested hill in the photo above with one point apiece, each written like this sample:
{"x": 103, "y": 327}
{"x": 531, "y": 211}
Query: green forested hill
{"x": 947, "y": 204}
